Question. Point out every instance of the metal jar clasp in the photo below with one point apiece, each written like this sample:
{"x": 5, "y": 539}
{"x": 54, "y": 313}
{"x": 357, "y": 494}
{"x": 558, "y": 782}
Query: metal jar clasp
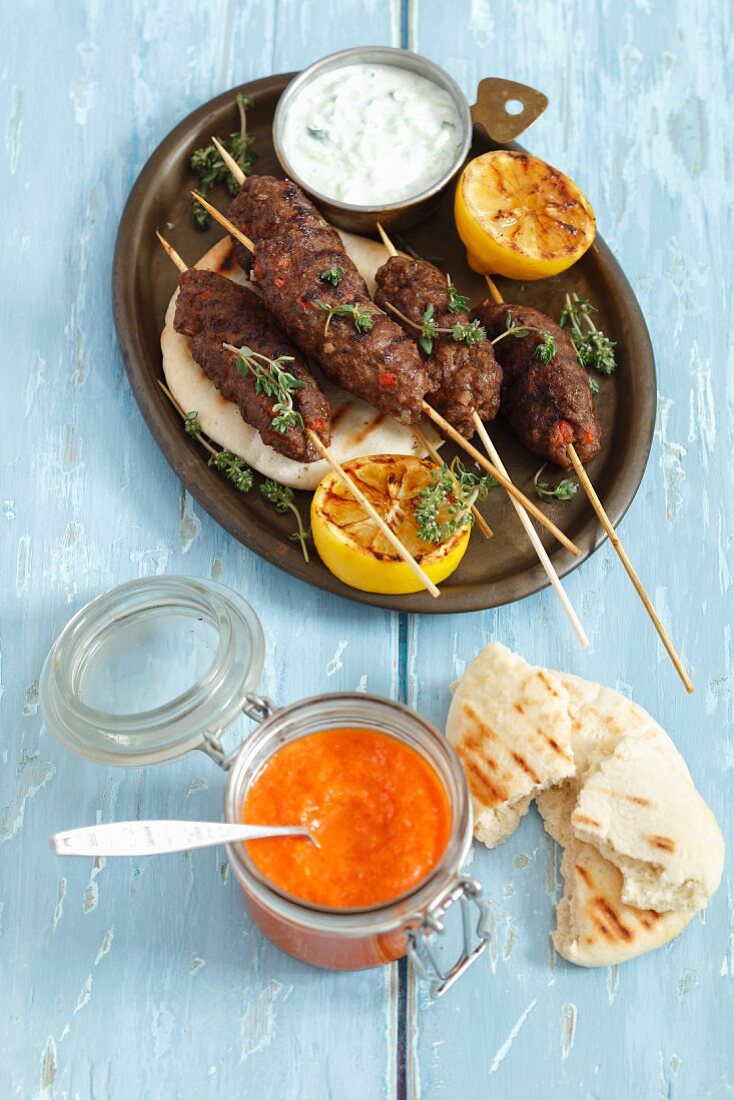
{"x": 257, "y": 707}
{"x": 467, "y": 892}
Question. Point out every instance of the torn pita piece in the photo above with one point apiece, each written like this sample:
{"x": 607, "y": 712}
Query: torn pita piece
{"x": 642, "y": 850}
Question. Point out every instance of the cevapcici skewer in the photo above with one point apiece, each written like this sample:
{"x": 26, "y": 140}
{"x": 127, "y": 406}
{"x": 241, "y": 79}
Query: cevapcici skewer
{"x": 433, "y": 290}
{"x": 381, "y": 387}
{"x": 313, "y": 438}
{"x": 546, "y": 398}
{"x": 466, "y": 376}
{"x": 562, "y": 420}
{"x": 219, "y": 317}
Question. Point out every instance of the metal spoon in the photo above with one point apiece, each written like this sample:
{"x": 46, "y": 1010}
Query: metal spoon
{"x": 150, "y": 838}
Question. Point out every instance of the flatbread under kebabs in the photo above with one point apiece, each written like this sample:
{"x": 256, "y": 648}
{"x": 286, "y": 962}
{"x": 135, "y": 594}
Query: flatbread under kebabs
{"x": 357, "y": 428}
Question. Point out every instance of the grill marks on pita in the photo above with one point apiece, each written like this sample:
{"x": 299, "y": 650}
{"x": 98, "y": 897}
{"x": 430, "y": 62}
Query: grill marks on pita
{"x": 510, "y": 727}
{"x": 641, "y": 850}
{"x": 594, "y": 926}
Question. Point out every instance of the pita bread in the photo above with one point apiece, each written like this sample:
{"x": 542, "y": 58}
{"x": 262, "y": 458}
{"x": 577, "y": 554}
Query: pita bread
{"x": 510, "y": 726}
{"x": 358, "y": 429}
{"x": 648, "y": 819}
{"x": 641, "y": 850}
{"x": 601, "y": 716}
{"x": 594, "y": 926}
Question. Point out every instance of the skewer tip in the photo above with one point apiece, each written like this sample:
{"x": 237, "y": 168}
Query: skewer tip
{"x": 223, "y": 221}
{"x": 390, "y": 247}
{"x": 172, "y": 253}
{"x": 229, "y": 160}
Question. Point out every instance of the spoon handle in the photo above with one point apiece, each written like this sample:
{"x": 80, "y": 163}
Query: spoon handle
{"x": 149, "y": 838}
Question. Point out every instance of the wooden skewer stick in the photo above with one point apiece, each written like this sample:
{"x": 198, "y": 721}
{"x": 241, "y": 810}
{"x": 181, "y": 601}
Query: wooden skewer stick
{"x": 224, "y": 221}
{"x": 372, "y": 512}
{"x": 537, "y": 544}
{"x": 603, "y": 518}
{"x": 435, "y": 456}
{"x": 173, "y": 254}
{"x": 494, "y": 292}
{"x": 606, "y": 523}
{"x": 391, "y": 249}
{"x": 505, "y": 482}
{"x": 229, "y": 160}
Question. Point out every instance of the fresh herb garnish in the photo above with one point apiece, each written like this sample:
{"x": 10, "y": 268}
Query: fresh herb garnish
{"x": 428, "y": 331}
{"x": 544, "y": 350}
{"x": 239, "y": 473}
{"x": 332, "y": 275}
{"x": 234, "y": 468}
{"x": 445, "y": 506}
{"x": 231, "y": 465}
{"x": 593, "y": 349}
{"x": 458, "y": 303}
{"x": 361, "y": 316}
{"x": 192, "y": 426}
{"x": 564, "y": 490}
{"x": 208, "y": 165}
{"x": 470, "y": 333}
{"x": 273, "y": 380}
{"x": 282, "y": 498}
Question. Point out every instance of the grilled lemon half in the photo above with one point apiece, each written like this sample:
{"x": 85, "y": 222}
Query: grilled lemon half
{"x": 521, "y": 218}
{"x": 351, "y": 545}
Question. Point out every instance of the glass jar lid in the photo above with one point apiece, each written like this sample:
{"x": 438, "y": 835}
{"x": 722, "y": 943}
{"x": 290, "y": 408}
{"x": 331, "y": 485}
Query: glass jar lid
{"x": 146, "y": 671}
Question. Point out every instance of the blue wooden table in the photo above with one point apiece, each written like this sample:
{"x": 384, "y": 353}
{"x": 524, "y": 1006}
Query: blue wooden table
{"x": 146, "y": 979}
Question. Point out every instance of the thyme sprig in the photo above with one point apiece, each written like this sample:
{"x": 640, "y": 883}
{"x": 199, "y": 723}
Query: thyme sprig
{"x": 236, "y": 470}
{"x": 273, "y": 380}
{"x": 458, "y": 303}
{"x": 544, "y": 350}
{"x": 593, "y": 349}
{"x": 361, "y": 315}
{"x": 332, "y": 275}
{"x": 208, "y": 165}
{"x": 445, "y": 506}
{"x": 282, "y": 498}
{"x": 566, "y": 489}
{"x": 470, "y": 333}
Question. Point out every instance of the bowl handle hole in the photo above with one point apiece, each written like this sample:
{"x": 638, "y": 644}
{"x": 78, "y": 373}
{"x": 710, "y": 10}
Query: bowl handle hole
{"x": 514, "y": 106}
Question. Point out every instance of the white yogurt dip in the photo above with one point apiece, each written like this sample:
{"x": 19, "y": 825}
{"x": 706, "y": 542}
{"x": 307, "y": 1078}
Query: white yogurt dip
{"x": 371, "y": 134}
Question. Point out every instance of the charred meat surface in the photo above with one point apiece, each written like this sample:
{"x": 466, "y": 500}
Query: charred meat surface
{"x": 212, "y": 310}
{"x": 547, "y": 404}
{"x": 464, "y": 379}
{"x": 294, "y": 248}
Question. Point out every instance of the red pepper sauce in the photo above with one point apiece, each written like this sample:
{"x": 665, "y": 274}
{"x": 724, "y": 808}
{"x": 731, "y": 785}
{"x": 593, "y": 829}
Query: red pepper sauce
{"x": 378, "y": 810}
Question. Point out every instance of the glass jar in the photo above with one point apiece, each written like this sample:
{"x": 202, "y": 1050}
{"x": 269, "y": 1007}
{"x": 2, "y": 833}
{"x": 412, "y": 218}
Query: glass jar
{"x": 118, "y": 687}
